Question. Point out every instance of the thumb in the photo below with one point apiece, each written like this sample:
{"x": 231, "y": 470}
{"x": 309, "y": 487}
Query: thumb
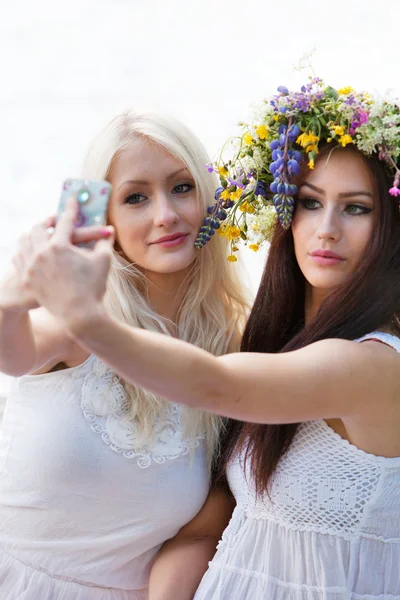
{"x": 104, "y": 246}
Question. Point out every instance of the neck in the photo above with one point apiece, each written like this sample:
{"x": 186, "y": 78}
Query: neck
{"x": 165, "y": 292}
{"x": 313, "y": 300}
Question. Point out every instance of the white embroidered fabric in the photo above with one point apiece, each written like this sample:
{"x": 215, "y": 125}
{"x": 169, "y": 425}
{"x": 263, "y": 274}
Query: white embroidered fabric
{"x": 105, "y": 405}
{"x": 329, "y": 529}
{"x": 82, "y": 512}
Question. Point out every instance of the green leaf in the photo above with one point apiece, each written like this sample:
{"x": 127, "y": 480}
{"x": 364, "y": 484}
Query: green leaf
{"x": 330, "y": 92}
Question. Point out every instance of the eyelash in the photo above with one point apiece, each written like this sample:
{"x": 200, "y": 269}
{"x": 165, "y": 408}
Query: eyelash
{"x": 364, "y": 209}
{"x": 135, "y": 198}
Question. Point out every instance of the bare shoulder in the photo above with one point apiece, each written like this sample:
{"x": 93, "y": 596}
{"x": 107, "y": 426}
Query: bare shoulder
{"x": 374, "y": 363}
{"x": 54, "y": 346}
{"x": 361, "y": 351}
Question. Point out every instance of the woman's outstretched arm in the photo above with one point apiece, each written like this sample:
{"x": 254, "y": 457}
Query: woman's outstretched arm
{"x": 183, "y": 560}
{"x": 327, "y": 379}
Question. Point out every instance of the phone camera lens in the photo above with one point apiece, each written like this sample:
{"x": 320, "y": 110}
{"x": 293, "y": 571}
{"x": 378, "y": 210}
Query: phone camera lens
{"x": 83, "y": 196}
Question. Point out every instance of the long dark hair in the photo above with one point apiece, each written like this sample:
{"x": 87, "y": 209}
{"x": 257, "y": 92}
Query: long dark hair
{"x": 368, "y": 301}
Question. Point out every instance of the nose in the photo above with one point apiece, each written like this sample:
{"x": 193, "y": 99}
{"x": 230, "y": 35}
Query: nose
{"x": 329, "y": 225}
{"x": 165, "y": 213}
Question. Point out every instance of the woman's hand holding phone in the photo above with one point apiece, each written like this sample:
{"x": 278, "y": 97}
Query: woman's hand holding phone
{"x": 68, "y": 280}
{"x": 92, "y": 196}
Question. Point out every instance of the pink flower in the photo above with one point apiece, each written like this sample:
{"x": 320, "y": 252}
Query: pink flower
{"x": 394, "y": 191}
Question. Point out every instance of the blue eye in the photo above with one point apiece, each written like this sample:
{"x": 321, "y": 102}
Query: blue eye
{"x": 309, "y": 203}
{"x": 183, "y": 188}
{"x": 135, "y": 199}
{"x": 358, "y": 209}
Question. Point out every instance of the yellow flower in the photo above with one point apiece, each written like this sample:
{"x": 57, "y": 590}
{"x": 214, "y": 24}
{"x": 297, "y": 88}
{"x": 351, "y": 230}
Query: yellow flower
{"x": 262, "y": 132}
{"x": 367, "y": 98}
{"x": 231, "y": 232}
{"x": 276, "y": 118}
{"x": 232, "y": 258}
{"x": 222, "y": 171}
{"x": 235, "y": 195}
{"x": 345, "y": 90}
{"x": 312, "y": 148}
{"x": 346, "y": 139}
{"x": 311, "y": 163}
{"x": 225, "y": 194}
{"x": 247, "y": 207}
{"x": 248, "y": 139}
{"x": 328, "y": 140}
{"x": 338, "y": 129}
{"x": 235, "y": 249}
{"x": 254, "y": 247}
{"x": 305, "y": 139}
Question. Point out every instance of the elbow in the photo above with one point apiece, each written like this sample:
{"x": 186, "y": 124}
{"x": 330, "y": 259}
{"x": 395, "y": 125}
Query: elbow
{"x": 14, "y": 372}
{"x": 15, "y": 369}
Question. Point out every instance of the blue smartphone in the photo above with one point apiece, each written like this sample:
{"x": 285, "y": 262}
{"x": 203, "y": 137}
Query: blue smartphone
{"x": 93, "y": 198}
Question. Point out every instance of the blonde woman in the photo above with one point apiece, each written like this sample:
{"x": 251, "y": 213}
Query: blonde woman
{"x": 95, "y": 473}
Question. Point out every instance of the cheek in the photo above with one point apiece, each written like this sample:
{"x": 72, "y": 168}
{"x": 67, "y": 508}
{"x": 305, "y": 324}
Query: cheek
{"x": 360, "y": 237}
{"x": 301, "y": 231}
{"x": 193, "y": 212}
{"x": 130, "y": 231}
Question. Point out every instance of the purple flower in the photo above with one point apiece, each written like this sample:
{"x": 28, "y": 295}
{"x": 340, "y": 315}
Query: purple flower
{"x": 218, "y": 192}
{"x": 237, "y": 182}
{"x": 283, "y": 90}
{"x": 351, "y": 100}
{"x": 209, "y": 168}
{"x": 261, "y": 189}
{"x": 394, "y": 191}
{"x": 293, "y": 166}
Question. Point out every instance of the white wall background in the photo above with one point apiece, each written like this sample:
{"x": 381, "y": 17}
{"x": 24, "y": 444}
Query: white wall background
{"x": 67, "y": 67}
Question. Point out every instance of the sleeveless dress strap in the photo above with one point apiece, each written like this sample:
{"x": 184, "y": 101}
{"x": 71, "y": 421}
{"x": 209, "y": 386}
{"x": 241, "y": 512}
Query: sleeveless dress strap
{"x": 385, "y": 338}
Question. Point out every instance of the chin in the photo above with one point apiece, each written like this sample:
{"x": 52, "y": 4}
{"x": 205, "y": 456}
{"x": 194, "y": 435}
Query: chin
{"x": 171, "y": 266}
{"x": 325, "y": 283}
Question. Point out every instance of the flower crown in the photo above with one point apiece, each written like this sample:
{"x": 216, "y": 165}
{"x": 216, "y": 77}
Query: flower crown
{"x": 256, "y": 183}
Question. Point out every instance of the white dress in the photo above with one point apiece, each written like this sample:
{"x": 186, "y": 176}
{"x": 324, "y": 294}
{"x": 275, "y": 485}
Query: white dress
{"x": 82, "y": 515}
{"x": 329, "y": 531}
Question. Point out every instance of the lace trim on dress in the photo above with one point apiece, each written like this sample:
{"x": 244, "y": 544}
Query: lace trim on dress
{"x": 105, "y": 404}
{"x": 385, "y": 338}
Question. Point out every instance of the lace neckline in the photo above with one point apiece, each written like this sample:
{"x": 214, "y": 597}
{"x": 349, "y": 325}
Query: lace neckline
{"x": 394, "y": 460}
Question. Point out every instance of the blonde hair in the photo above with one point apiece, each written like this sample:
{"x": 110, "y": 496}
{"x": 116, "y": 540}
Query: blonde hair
{"x": 213, "y": 311}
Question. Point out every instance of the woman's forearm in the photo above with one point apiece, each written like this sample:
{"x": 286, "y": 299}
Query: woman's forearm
{"x": 165, "y": 366}
{"x": 17, "y": 344}
{"x": 179, "y": 567}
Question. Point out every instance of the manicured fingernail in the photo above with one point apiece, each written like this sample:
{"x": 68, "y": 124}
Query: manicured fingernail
{"x": 106, "y": 233}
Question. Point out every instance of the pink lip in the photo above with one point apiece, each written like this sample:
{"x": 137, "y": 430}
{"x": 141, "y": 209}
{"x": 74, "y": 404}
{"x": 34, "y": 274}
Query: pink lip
{"x": 326, "y": 257}
{"x": 171, "y": 241}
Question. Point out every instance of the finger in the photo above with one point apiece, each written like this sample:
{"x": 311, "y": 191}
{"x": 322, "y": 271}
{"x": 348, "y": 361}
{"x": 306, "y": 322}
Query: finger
{"x": 40, "y": 233}
{"x": 18, "y": 264}
{"x": 48, "y": 222}
{"x": 66, "y": 223}
{"x": 25, "y": 246}
{"x": 104, "y": 246}
{"x": 89, "y": 234}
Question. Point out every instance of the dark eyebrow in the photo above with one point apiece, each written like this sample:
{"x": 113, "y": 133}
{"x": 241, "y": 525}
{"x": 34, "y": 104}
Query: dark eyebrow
{"x": 144, "y": 182}
{"x": 352, "y": 194}
{"x": 344, "y": 195}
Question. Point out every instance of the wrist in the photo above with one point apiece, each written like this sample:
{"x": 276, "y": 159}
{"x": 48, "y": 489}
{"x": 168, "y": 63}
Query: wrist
{"x": 12, "y": 310}
{"x": 82, "y": 323}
